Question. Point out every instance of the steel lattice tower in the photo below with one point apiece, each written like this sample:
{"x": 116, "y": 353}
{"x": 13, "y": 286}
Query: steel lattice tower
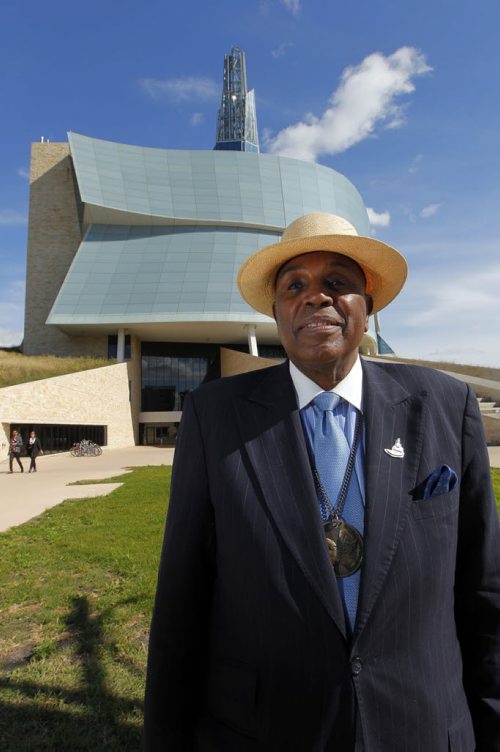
{"x": 236, "y": 119}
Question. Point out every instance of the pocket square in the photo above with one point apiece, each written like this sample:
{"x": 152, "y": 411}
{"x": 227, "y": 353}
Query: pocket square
{"x": 442, "y": 480}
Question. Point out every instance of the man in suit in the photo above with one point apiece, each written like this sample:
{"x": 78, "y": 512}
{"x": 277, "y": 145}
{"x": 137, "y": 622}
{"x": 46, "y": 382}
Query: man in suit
{"x": 293, "y": 617}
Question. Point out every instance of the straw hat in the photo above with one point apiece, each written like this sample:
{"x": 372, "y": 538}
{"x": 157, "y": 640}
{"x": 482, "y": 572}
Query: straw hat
{"x": 384, "y": 268}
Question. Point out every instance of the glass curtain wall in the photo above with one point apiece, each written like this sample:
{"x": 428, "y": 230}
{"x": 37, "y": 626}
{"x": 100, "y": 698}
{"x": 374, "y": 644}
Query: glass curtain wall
{"x": 170, "y": 371}
{"x": 60, "y": 438}
{"x": 113, "y": 347}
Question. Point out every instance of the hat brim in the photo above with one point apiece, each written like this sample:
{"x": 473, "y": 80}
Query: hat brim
{"x": 385, "y": 269}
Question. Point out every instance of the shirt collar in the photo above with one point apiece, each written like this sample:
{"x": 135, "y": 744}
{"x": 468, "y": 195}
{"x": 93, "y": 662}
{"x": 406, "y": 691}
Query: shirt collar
{"x": 350, "y": 388}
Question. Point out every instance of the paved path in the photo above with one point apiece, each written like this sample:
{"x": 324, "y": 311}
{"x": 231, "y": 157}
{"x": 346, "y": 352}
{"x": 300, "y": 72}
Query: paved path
{"x": 26, "y": 495}
{"x": 494, "y": 453}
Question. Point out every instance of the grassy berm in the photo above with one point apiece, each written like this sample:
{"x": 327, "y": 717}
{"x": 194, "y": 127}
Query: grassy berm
{"x": 76, "y": 590}
{"x": 76, "y": 593}
{"x": 483, "y": 372}
{"x": 16, "y": 368}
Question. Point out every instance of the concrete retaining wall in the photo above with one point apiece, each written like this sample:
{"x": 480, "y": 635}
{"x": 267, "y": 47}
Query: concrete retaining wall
{"x": 96, "y": 397}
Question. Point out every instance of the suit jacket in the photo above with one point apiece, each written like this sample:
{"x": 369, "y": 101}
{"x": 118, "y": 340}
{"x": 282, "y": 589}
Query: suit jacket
{"x": 248, "y": 646}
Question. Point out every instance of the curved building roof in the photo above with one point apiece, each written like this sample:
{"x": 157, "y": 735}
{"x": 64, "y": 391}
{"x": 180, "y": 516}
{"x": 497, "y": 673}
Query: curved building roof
{"x": 168, "y": 230}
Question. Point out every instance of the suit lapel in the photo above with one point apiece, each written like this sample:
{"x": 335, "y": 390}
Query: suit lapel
{"x": 270, "y": 424}
{"x": 390, "y": 413}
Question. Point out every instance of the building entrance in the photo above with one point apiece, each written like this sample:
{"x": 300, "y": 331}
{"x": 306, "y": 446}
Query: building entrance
{"x": 60, "y": 438}
{"x": 158, "y": 434}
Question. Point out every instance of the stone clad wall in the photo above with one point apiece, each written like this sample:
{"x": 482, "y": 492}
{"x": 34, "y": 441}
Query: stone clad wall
{"x": 54, "y": 234}
{"x": 135, "y": 377}
{"x": 233, "y": 362}
{"x": 96, "y": 397}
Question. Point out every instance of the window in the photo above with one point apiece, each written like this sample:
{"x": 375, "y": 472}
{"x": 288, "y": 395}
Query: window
{"x": 113, "y": 347}
{"x": 170, "y": 371}
{"x": 60, "y": 438}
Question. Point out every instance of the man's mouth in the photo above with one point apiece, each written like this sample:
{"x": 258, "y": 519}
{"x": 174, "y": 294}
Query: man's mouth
{"x": 324, "y": 322}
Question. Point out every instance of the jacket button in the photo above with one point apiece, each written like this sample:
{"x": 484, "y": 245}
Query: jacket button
{"x": 356, "y": 666}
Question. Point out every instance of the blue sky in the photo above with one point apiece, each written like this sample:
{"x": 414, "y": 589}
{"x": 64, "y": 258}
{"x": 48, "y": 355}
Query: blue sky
{"x": 400, "y": 97}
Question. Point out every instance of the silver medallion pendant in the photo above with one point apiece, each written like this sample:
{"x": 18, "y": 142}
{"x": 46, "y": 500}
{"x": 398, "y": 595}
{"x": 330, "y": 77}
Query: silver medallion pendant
{"x": 345, "y": 547}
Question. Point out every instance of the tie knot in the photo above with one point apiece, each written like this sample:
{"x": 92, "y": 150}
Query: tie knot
{"x": 326, "y": 401}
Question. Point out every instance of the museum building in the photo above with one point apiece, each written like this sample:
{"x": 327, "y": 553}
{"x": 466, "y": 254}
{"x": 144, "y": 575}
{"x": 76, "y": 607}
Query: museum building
{"x": 133, "y": 254}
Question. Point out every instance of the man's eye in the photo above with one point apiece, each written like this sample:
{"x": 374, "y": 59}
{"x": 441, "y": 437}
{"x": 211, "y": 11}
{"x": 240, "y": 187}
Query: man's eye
{"x": 295, "y": 284}
{"x": 336, "y": 283}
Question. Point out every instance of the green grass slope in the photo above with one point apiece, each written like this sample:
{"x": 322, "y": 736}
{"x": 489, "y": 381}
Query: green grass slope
{"x": 16, "y": 368}
{"x": 76, "y": 593}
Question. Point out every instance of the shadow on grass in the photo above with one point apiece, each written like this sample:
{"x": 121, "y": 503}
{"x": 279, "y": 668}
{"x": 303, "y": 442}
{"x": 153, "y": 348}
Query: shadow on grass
{"x": 48, "y": 717}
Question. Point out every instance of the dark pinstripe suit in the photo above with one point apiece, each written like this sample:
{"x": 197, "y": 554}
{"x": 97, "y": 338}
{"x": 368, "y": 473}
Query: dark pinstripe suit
{"x": 248, "y": 646}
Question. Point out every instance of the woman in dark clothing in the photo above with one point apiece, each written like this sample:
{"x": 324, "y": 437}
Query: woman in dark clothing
{"x": 15, "y": 446}
{"x": 34, "y": 448}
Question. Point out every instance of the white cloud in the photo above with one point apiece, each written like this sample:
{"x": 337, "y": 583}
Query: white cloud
{"x": 450, "y": 350}
{"x": 408, "y": 212}
{"x": 196, "y": 119}
{"x": 429, "y": 211}
{"x": 415, "y": 164}
{"x": 10, "y": 337}
{"x": 462, "y": 300}
{"x": 12, "y": 313}
{"x": 366, "y": 97}
{"x": 378, "y": 219}
{"x": 447, "y": 314}
{"x": 281, "y": 50}
{"x": 23, "y": 172}
{"x": 266, "y": 137}
{"x": 183, "y": 89}
{"x": 12, "y": 217}
{"x": 292, "y": 5}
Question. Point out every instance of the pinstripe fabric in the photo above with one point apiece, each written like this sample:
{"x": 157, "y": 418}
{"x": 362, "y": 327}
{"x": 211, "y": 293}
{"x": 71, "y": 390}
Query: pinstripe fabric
{"x": 248, "y": 649}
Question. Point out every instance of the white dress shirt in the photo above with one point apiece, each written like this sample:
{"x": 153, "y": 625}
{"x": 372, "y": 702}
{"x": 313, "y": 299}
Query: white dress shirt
{"x": 351, "y": 390}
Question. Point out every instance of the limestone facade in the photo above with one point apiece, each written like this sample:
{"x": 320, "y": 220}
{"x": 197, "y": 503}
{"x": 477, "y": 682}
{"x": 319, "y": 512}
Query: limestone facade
{"x": 54, "y": 234}
{"x": 233, "y": 362}
{"x": 134, "y": 374}
{"x": 100, "y": 396}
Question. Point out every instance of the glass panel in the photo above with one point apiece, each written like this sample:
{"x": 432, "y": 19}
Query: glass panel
{"x": 166, "y": 380}
{"x": 60, "y": 437}
{"x": 113, "y": 346}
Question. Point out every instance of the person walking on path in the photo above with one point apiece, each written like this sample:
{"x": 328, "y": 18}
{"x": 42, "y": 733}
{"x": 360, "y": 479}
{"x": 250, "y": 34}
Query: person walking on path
{"x": 34, "y": 448}
{"x": 16, "y": 445}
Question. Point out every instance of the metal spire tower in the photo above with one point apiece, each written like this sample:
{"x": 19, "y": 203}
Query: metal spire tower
{"x": 236, "y": 119}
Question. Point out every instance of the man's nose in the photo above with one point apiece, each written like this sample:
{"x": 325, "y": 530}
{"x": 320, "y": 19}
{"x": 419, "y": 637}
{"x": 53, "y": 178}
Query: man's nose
{"x": 319, "y": 298}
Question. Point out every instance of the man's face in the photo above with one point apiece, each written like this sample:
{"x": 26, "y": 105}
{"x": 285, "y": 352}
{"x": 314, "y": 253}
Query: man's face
{"x": 321, "y": 310}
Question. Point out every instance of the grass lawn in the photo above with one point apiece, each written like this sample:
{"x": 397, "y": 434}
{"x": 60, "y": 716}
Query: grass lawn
{"x": 495, "y": 474}
{"x": 16, "y": 368}
{"x": 484, "y": 372}
{"x": 76, "y": 596}
{"x": 76, "y": 593}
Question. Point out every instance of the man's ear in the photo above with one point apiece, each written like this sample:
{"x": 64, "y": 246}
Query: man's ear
{"x": 369, "y": 306}
{"x": 274, "y": 312}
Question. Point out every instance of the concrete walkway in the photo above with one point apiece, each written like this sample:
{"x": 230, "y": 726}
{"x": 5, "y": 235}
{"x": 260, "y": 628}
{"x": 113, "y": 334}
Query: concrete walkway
{"x": 494, "y": 453}
{"x": 26, "y": 495}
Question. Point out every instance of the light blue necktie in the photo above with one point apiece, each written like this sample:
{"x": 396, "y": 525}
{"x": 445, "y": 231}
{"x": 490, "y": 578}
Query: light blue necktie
{"x": 331, "y": 455}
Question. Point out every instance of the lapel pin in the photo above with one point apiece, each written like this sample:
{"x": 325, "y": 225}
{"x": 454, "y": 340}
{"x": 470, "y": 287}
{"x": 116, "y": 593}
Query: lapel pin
{"x": 396, "y": 450}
